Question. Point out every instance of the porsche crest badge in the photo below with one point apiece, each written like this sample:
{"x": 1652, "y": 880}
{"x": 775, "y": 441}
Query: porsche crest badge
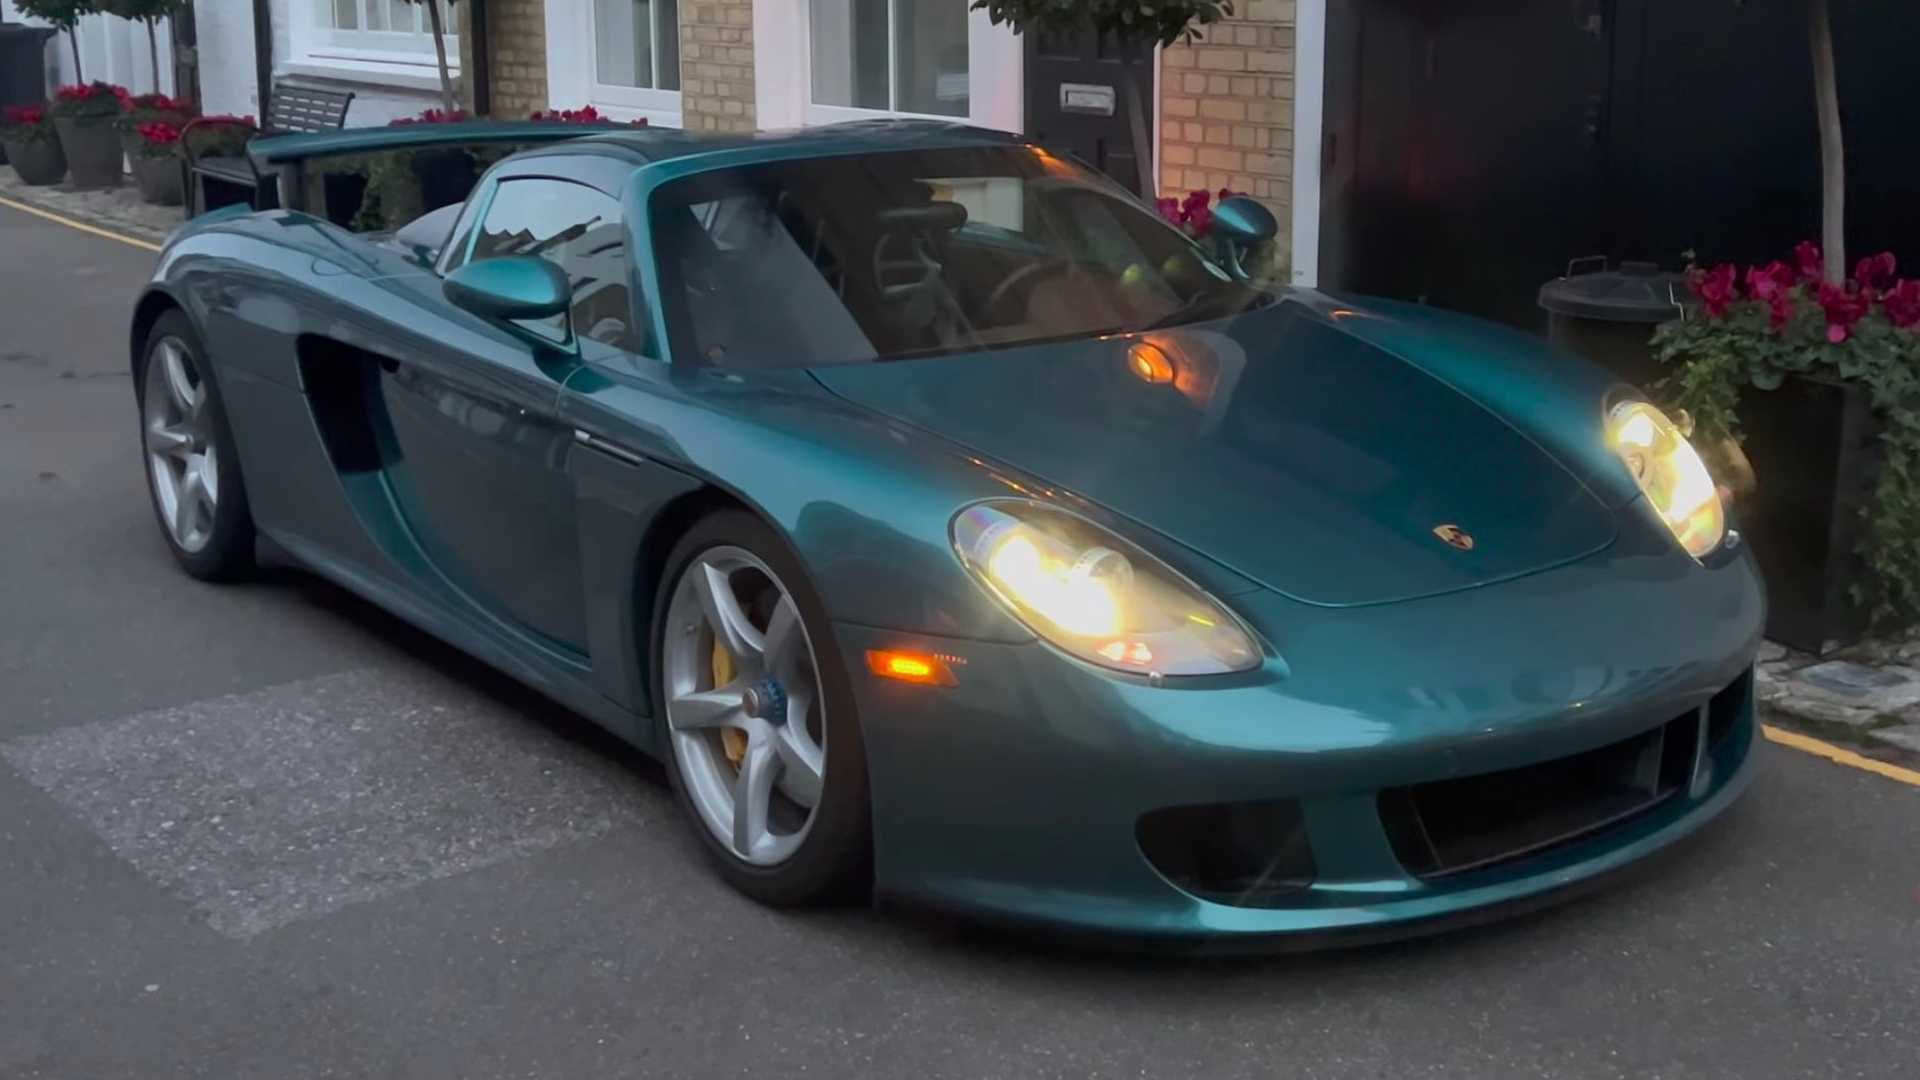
{"x": 1454, "y": 537}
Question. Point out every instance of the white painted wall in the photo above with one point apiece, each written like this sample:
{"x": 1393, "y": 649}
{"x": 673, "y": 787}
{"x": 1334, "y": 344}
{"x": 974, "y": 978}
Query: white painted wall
{"x": 112, "y": 49}
{"x": 227, "y": 83}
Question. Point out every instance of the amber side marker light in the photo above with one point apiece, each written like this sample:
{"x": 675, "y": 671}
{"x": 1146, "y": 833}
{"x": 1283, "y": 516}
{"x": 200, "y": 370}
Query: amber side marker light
{"x": 910, "y": 667}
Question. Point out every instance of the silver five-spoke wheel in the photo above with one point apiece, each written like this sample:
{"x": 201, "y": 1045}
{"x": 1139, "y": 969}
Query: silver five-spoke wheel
{"x": 181, "y": 451}
{"x": 743, "y": 703}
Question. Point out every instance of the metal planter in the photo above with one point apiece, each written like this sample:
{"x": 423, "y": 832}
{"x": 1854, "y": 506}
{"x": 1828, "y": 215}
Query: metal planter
{"x": 38, "y": 162}
{"x": 92, "y": 146}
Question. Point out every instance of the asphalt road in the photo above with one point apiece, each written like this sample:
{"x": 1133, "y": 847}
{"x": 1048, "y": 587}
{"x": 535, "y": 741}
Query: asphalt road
{"x": 266, "y": 830}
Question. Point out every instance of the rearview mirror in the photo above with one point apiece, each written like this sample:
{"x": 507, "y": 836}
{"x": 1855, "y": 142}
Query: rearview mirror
{"x": 1240, "y": 225}
{"x": 510, "y": 287}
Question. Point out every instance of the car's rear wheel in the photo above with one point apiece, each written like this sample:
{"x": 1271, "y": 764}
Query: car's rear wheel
{"x": 192, "y": 471}
{"x": 758, "y": 717}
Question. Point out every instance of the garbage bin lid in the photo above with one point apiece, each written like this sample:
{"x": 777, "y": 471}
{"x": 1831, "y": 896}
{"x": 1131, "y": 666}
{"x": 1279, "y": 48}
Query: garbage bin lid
{"x": 1635, "y": 293}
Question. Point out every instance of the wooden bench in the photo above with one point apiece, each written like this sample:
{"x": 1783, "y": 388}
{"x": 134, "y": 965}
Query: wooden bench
{"x": 292, "y": 109}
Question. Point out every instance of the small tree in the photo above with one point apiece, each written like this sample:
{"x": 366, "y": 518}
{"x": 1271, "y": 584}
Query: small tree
{"x": 150, "y": 12}
{"x": 437, "y": 22}
{"x": 62, "y": 15}
{"x": 1129, "y": 22}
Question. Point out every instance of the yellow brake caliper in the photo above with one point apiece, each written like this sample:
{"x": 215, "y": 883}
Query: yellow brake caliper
{"x": 732, "y": 740}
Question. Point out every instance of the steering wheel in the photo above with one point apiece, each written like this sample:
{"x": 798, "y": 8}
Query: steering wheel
{"x": 1053, "y": 264}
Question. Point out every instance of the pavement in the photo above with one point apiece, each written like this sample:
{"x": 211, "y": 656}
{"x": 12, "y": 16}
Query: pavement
{"x": 267, "y": 830}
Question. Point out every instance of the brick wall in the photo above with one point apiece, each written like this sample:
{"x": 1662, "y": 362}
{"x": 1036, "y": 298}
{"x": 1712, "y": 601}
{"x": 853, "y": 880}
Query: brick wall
{"x": 716, "y": 65}
{"x": 1226, "y": 107}
{"x": 518, "y": 32}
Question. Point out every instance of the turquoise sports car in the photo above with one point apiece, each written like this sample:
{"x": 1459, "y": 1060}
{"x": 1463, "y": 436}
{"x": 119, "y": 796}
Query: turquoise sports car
{"x": 958, "y": 531}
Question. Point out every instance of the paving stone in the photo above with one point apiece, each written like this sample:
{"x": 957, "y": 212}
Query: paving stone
{"x": 1881, "y": 689}
{"x": 1771, "y": 651}
{"x": 1821, "y": 709}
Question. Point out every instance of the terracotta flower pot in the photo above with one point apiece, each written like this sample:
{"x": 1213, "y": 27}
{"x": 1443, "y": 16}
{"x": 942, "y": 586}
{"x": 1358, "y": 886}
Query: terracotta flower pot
{"x": 160, "y": 180}
{"x": 38, "y": 162}
{"x": 93, "y": 150}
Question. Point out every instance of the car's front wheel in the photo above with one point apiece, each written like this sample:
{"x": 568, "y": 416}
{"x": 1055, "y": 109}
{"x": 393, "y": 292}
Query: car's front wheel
{"x": 758, "y": 716}
{"x": 192, "y": 471}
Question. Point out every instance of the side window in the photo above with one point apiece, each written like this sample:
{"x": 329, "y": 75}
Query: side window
{"x": 579, "y": 229}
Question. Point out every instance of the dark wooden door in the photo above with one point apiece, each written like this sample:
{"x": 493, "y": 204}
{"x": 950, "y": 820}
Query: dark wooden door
{"x": 1092, "y": 97}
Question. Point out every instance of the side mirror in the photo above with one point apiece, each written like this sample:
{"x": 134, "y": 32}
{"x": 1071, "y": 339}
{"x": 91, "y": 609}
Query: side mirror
{"x": 510, "y": 287}
{"x": 1240, "y": 225}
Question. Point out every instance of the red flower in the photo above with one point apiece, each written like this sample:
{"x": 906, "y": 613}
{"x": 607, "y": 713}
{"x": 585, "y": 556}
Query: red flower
{"x": 585, "y": 114}
{"x": 432, "y": 116}
{"x": 1169, "y": 208}
{"x": 158, "y": 133}
{"x": 1717, "y": 288}
{"x": 1809, "y": 259}
{"x": 1876, "y": 272}
{"x": 76, "y": 92}
{"x": 1766, "y": 282}
{"x": 1200, "y": 220}
{"x": 1903, "y": 304}
{"x": 1843, "y": 309}
{"x": 23, "y": 115}
{"x": 1229, "y": 193}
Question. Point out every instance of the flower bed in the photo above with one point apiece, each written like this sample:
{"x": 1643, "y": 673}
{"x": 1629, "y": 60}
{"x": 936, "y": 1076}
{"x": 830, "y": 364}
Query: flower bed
{"x": 1780, "y": 321}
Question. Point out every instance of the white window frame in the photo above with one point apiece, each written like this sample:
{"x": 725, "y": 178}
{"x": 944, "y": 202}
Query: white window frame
{"x": 361, "y": 55}
{"x": 783, "y": 72}
{"x": 572, "y": 80}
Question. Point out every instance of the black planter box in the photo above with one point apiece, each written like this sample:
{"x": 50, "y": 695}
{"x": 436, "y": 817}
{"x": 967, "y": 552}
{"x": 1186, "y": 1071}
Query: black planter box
{"x": 1816, "y": 456}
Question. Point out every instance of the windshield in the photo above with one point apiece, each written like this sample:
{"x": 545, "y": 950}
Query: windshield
{"x": 924, "y": 253}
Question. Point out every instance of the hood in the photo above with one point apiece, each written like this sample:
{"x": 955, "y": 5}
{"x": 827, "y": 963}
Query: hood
{"x": 1274, "y": 442}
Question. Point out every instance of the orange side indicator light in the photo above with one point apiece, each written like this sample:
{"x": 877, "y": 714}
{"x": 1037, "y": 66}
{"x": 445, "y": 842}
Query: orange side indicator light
{"x": 910, "y": 667}
{"x": 1150, "y": 363}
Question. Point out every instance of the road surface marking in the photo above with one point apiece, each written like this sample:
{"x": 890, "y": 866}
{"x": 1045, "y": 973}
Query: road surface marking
{"x": 1839, "y": 756}
{"x": 58, "y": 219}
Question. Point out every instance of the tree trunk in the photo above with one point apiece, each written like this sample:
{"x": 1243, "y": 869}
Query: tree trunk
{"x": 440, "y": 54}
{"x": 1833, "y": 155}
{"x": 73, "y": 42}
{"x": 153, "y": 53}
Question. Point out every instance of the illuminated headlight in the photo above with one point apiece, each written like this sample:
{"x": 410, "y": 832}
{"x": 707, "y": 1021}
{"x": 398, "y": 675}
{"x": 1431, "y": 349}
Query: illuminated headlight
{"x": 1097, "y": 596}
{"x": 1670, "y": 472}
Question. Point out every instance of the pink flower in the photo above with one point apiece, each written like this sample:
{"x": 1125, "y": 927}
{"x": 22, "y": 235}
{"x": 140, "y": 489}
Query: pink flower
{"x": 1200, "y": 220}
{"x": 1843, "y": 309}
{"x": 1169, "y": 208}
{"x": 1779, "y": 311}
{"x": 1769, "y": 281}
{"x": 1876, "y": 272}
{"x": 1902, "y": 302}
{"x": 1228, "y": 193}
{"x": 1717, "y": 288}
{"x": 1809, "y": 259}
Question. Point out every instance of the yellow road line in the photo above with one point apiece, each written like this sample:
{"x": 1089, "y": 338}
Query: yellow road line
{"x": 144, "y": 245}
{"x": 1838, "y": 756}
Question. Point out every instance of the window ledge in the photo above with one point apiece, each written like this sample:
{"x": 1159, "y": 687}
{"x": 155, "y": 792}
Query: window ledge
{"x": 405, "y": 75}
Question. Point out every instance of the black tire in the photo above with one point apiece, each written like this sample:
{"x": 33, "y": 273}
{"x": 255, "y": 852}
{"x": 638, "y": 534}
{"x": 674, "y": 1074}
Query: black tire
{"x": 228, "y": 554}
{"x": 834, "y": 863}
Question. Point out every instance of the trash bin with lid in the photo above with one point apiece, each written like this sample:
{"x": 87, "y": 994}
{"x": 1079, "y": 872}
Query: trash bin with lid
{"x": 23, "y": 66}
{"x": 1608, "y": 316}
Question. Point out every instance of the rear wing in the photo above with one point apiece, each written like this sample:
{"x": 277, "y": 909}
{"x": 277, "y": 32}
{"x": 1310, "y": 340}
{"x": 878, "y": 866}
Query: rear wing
{"x": 283, "y": 159}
